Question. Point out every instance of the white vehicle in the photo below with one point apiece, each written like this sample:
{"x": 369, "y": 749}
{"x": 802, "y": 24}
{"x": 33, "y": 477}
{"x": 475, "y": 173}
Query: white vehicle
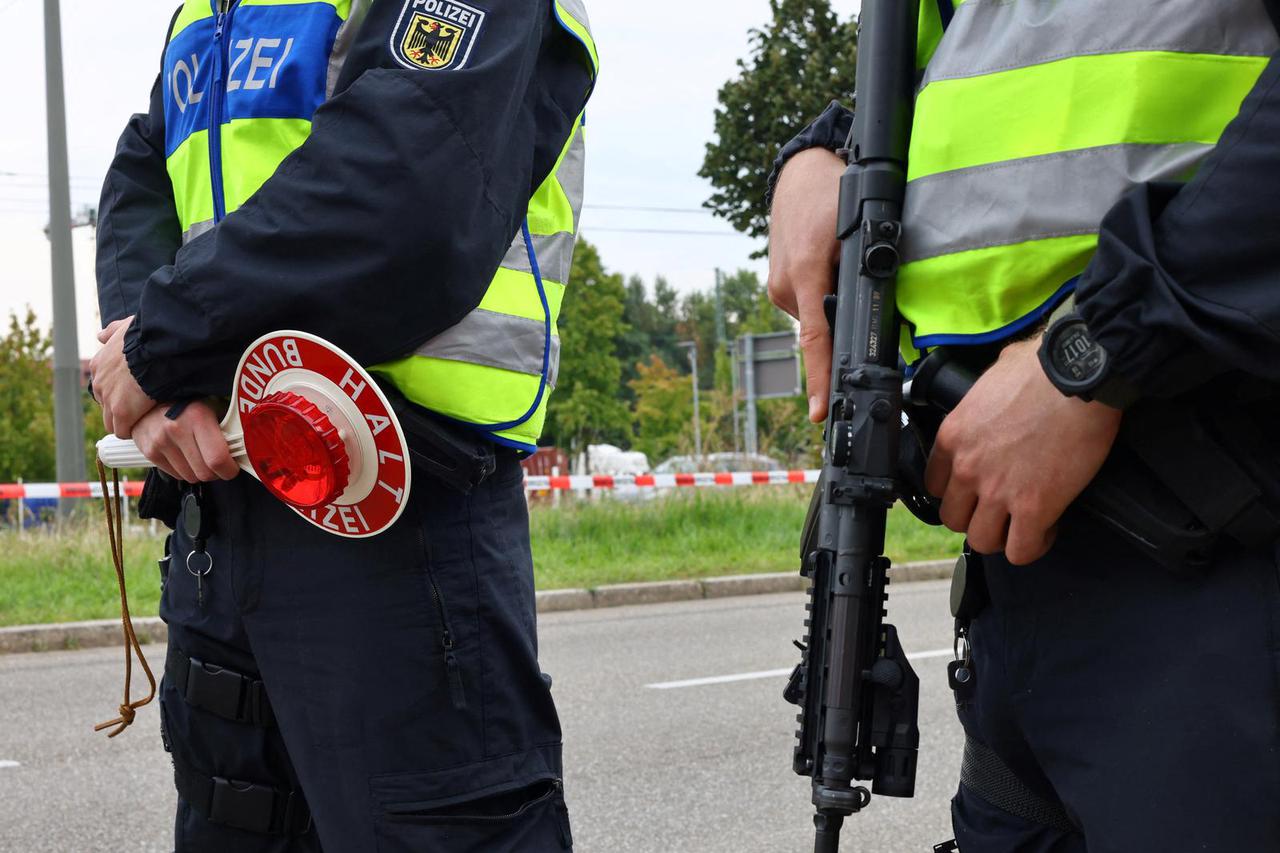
{"x": 718, "y": 462}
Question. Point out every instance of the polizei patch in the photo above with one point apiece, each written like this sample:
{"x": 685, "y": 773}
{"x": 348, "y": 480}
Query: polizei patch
{"x": 435, "y": 35}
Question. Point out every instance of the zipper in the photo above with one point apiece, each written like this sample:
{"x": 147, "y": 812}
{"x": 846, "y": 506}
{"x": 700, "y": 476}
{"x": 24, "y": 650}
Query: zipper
{"x": 562, "y": 811}
{"x": 222, "y": 26}
{"x": 453, "y": 671}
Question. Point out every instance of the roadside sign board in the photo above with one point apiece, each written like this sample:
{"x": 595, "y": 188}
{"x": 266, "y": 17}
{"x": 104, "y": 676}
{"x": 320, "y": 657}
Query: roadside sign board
{"x": 772, "y": 361}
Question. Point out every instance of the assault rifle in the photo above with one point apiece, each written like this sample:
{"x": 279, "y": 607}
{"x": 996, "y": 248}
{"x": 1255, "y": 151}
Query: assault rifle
{"x": 857, "y": 690}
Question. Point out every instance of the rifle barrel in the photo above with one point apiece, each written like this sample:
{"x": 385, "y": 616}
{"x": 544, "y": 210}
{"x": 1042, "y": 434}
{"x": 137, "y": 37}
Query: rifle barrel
{"x": 848, "y": 724}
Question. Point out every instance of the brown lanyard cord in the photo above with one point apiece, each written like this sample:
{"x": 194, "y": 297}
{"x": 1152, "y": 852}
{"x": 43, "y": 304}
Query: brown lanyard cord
{"x": 115, "y": 532}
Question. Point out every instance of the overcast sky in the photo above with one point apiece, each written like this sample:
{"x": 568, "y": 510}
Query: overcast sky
{"x": 647, "y": 125}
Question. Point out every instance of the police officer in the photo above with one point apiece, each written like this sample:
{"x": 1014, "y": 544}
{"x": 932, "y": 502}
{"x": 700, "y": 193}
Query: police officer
{"x": 1114, "y": 165}
{"x": 403, "y": 178}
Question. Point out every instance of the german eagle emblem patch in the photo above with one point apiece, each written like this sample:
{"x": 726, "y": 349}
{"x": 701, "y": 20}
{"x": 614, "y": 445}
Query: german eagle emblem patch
{"x": 435, "y": 35}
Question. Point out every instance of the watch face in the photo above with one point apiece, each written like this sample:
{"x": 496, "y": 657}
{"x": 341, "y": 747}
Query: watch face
{"x": 1076, "y": 357}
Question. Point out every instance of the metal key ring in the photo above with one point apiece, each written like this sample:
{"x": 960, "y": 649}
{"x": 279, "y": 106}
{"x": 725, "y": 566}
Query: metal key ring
{"x": 207, "y": 569}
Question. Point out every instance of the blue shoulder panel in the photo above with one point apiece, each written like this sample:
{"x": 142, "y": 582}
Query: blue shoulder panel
{"x": 277, "y": 64}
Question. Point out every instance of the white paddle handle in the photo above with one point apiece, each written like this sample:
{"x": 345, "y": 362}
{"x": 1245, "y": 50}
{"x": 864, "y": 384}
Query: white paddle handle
{"x": 124, "y": 453}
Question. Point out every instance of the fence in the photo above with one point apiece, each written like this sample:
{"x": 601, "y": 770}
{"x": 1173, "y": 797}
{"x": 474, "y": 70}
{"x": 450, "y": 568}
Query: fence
{"x": 532, "y": 483}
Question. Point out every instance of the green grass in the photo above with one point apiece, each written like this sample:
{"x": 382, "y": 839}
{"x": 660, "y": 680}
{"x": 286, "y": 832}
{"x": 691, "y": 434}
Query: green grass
{"x": 693, "y": 534}
{"x": 67, "y": 576}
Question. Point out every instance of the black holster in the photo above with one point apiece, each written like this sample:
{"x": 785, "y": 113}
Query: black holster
{"x": 161, "y": 498}
{"x": 459, "y": 457}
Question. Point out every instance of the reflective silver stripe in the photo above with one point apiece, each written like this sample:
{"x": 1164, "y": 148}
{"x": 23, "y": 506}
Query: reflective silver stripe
{"x": 1056, "y": 195}
{"x": 342, "y": 43}
{"x": 553, "y": 365}
{"x": 572, "y": 173}
{"x": 494, "y": 340}
{"x": 554, "y": 251}
{"x": 577, "y": 9}
{"x": 987, "y": 36}
{"x": 196, "y": 230}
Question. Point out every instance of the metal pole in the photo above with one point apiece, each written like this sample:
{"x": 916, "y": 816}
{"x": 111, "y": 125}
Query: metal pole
{"x": 22, "y": 509}
{"x": 720, "y": 327}
{"x": 697, "y": 411}
{"x": 737, "y": 427}
{"x": 692, "y": 346}
{"x": 749, "y": 356}
{"x": 67, "y": 406}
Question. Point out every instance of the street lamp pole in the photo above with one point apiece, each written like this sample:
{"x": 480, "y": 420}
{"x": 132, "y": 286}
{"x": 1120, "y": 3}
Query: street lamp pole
{"x": 68, "y": 414}
{"x": 692, "y": 347}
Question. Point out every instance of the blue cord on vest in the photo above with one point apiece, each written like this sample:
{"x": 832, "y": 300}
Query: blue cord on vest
{"x": 546, "y": 346}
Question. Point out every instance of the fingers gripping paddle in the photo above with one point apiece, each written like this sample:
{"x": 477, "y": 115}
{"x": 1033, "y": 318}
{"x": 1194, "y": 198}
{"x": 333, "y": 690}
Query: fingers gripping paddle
{"x": 312, "y": 425}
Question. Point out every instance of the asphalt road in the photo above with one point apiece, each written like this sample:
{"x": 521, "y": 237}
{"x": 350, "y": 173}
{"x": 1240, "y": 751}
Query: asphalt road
{"x": 698, "y": 768}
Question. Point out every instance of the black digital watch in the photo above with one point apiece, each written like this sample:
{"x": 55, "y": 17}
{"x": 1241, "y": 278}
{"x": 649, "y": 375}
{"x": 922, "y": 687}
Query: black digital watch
{"x": 1079, "y": 366}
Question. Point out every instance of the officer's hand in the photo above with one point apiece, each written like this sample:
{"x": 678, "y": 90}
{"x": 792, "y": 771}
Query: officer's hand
{"x": 123, "y": 401}
{"x": 113, "y": 327}
{"x": 803, "y": 256}
{"x": 1014, "y": 454}
{"x": 191, "y": 447}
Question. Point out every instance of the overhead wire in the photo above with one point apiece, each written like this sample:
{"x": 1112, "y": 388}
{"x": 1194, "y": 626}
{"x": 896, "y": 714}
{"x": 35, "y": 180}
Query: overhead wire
{"x": 22, "y": 181}
{"x": 690, "y": 232}
{"x": 640, "y": 208}
{"x": 648, "y": 209}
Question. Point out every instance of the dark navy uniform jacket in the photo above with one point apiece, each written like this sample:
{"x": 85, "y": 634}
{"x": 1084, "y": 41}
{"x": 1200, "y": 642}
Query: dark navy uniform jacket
{"x": 382, "y": 230}
{"x": 1185, "y": 285}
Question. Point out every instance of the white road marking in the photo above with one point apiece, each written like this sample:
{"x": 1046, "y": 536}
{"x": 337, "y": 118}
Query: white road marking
{"x": 936, "y": 653}
{"x": 769, "y": 673}
{"x": 5, "y": 765}
{"x": 721, "y": 679}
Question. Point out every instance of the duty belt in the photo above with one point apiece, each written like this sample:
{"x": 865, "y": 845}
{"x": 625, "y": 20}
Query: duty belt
{"x": 218, "y": 690}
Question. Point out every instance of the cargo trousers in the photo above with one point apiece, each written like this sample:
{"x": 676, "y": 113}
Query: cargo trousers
{"x": 347, "y": 695}
{"x": 1146, "y": 705}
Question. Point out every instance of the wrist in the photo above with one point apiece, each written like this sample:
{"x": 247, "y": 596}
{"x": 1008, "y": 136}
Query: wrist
{"x": 828, "y": 133}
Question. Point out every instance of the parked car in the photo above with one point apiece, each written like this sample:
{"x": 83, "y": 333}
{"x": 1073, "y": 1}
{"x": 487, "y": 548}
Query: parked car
{"x": 607, "y": 459}
{"x": 718, "y": 462}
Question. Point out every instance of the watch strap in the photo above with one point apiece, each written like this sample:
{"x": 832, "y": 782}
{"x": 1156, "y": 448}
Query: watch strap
{"x": 1115, "y": 391}
{"x": 1065, "y": 308}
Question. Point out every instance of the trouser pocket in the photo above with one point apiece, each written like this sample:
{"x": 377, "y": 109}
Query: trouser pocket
{"x": 511, "y": 804}
{"x": 528, "y": 819}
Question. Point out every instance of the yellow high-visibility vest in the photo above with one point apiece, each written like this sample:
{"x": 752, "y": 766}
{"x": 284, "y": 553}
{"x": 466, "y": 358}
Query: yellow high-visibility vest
{"x": 495, "y": 369}
{"x": 1032, "y": 118}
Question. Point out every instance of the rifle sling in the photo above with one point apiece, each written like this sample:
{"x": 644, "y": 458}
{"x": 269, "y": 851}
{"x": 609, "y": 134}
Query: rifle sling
{"x": 986, "y": 775}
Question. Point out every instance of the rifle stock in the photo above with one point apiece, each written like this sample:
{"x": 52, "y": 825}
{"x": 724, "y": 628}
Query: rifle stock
{"x": 857, "y": 691}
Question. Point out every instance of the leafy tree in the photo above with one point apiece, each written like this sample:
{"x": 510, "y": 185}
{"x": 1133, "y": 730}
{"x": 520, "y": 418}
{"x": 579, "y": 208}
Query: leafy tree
{"x": 785, "y": 434}
{"x": 663, "y": 411}
{"x": 698, "y": 324}
{"x": 798, "y": 63}
{"x": 747, "y": 309}
{"x": 651, "y": 329}
{"x": 587, "y": 407}
{"x": 27, "y": 446}
{"x": 747, "y": 306}
{"x": 624, "y": 378}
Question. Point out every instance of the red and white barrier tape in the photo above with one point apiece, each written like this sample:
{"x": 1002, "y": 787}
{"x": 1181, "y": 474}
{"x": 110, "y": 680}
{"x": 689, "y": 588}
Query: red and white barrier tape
{"x": 36, "y": 491}
{"x": 667, "y": 481}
